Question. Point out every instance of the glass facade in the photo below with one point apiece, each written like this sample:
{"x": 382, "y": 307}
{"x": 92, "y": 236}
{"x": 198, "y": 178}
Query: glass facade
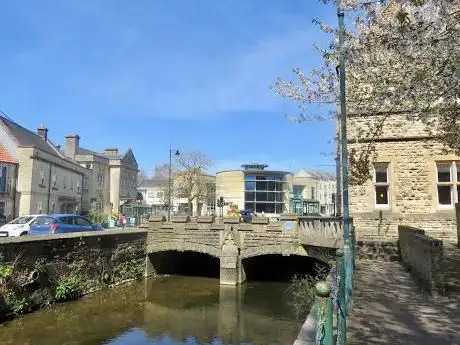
{"x": 264, "y": 193}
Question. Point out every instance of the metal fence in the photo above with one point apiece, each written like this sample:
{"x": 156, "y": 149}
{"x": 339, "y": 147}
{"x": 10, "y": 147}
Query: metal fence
{"x": 338, "y": 302}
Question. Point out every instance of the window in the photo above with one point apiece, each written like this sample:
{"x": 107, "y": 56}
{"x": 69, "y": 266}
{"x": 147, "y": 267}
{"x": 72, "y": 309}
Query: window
{"x": 159, "y": 195}
{"x": 54, "y": 180}
{"x": 65, "y": 182}
{"x": 44, "y": 221}
{"x": 71, "y": 183}
{"x": 264, "y": 193}
{"x": 82, "y": 221}
{"x": 42, "y": 177}
{"x": 381, "y": 185}
{"x": 448, "y": 183}
{"x": 66, "y": 220}
{"x": 2, "y": 207}
{"x": 78, "y": 186}
{"x": 3, "y": 178}
{"x": 53, "y": 207}
{"x": 39, "y": 207}
{"x": 313, "y": 194}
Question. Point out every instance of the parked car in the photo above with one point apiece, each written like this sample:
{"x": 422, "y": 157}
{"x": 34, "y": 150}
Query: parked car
{"x": 17, "y": 227}
{"x": 247, "y": 216}
{"x": 62, "y": 223}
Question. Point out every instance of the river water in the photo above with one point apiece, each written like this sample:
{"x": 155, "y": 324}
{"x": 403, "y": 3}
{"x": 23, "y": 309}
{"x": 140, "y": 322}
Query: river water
{"x": 172, "y": 310}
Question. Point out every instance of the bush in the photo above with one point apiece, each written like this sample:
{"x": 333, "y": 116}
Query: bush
{"x": 302, "y": 289}
{"x": 68, "y": 288}
{"x": 22, "y": 306}
{"x": 6, "y": 270}
{"x": 97, "y": 217}
{"x": 132, "y": 269}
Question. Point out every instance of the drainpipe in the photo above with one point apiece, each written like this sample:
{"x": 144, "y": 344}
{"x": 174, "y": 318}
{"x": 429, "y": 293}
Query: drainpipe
{"x": 49, "y": 189}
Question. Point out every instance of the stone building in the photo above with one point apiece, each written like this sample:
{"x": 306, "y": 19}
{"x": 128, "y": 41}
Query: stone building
{"x": 112, "y": 178}
{"x": 256, "y": 189}
{"x": 155, "y": 193}
{"x": 314, "y": 192}
{"x": 47, "y": 181}
{"x": 414, "y": 182}
{"x": 8, "y": 178}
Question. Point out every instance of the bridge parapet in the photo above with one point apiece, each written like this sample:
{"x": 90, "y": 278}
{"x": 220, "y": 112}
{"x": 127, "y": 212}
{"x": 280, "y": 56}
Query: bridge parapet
{"x": 233, "y": 241}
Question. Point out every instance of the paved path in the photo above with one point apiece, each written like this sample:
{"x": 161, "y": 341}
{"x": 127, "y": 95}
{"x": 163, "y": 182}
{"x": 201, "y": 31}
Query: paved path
{"x": 389, "y": 308}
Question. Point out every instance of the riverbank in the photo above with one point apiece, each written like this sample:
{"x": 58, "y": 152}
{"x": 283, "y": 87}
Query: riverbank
{"x": 36, "y": 272}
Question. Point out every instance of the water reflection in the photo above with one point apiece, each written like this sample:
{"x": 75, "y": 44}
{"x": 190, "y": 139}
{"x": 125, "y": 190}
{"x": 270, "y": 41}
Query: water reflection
{"x": 172, "y": 310}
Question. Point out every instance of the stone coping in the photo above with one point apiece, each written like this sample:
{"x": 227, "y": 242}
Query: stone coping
{"x": 108, "y": 232}
{"x": 231, "y": 220}
{"x": 260, "y": 220}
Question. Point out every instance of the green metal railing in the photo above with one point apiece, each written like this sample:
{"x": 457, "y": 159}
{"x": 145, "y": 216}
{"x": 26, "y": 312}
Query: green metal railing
{"x": 328, "y": 301}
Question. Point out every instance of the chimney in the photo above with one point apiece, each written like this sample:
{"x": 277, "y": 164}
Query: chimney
{"x": 72, "y": 143}
{"x": 42, "y": 132}
{"x": 111, "y": 151}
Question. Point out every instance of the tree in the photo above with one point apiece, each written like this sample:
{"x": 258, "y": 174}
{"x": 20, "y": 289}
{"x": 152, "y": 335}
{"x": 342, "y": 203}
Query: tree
{"x": 161, "y": 175}
{"x": 401, "y": 58}
{"x": 141, "y": 176}
{"x": 190, "y": 178}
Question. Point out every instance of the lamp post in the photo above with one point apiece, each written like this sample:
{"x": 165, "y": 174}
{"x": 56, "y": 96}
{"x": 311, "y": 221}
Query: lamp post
{"x": 176, "y": 153}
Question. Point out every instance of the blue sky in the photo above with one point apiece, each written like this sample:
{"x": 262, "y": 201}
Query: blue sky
{"x": 144, "y": 73}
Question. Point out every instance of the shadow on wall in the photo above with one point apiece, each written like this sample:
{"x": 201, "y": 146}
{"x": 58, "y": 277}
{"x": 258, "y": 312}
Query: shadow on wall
{"x": 185, "y": 263}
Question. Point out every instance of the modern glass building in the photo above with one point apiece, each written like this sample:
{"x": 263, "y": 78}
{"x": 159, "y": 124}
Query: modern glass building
{"x": 255, "y": 189}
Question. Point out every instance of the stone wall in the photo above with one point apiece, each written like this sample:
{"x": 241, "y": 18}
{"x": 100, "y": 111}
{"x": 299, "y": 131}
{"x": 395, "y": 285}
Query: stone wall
{"x": 423, "y": 256}
{"x": 232, "y": 241}
{"x": 413, "y": 196}
{"x": 33, "y": 269}
{"x": 377, "y": 250}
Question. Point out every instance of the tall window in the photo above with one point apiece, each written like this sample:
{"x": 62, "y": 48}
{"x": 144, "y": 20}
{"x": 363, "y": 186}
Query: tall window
{"x": 2, "y": 207}
{"x": 3, "y": 178}
{"x": 264, "y": 193}
{"x": 381, "y": 185}
{"x": 448, "y": 183}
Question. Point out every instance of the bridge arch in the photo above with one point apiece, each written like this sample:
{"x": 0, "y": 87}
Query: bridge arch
{"x": 184, "y": 247}
{"x": 286, "y": 250}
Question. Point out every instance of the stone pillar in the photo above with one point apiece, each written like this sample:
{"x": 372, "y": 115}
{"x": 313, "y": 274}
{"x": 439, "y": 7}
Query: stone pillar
{"x": 155, "y": 222}
{"x": 231, "y": 268}
{"x": 179, "y": 222}
{"x": 289, "y": 222}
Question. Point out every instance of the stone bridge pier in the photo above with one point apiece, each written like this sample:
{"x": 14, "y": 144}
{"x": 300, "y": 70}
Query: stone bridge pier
{"x": 232, "y": 242}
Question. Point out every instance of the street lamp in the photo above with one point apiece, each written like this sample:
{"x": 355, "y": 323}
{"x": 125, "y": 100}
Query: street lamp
{"x": 176, "y": 153}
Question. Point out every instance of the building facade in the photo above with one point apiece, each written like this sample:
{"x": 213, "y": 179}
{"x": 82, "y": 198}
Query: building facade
{"x": 112, "y": 177}
{"x": 8, "y": 178}
{"x": 47, "y": 182}
{"x": 314, "y": 193}
{"x": 413, "y": 181}
{"x": 253, "y": 188}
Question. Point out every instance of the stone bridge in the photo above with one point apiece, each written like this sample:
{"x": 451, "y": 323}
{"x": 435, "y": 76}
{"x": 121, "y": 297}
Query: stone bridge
{"x": 232, "y": 242}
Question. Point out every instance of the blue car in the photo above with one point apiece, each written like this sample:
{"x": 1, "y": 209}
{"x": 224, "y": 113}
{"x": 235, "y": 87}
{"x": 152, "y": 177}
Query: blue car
{"x": 61, "y": 224}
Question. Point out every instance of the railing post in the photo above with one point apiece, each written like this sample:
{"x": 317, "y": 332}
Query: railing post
{"x": 353, "y": 247}
{"x": 341, "y": 302}
{"x": 348, "y": 263}
{"x": 324, "y": 328}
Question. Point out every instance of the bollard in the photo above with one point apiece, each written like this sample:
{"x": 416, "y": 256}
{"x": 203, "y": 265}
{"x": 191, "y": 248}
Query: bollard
{"x": 324, "y": 327}
{"x": 341, "y": 303}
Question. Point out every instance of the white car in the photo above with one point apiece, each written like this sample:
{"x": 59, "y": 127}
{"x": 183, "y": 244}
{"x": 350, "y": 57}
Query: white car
{"x": 18, "y": 227}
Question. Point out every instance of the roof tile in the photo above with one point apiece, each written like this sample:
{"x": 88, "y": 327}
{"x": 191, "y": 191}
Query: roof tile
{"x": 5, "y": 156}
